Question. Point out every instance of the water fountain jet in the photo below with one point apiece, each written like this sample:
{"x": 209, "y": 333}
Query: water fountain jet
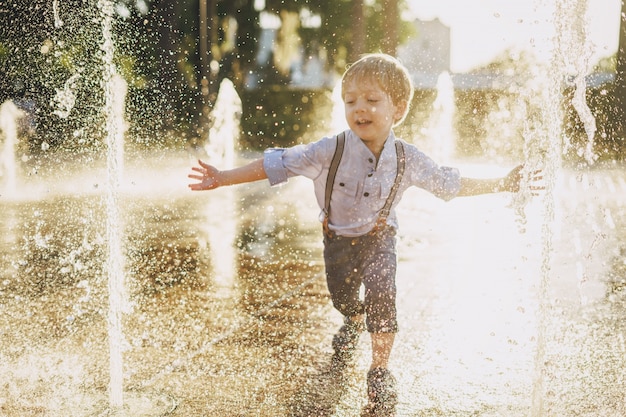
{"x": 9, "y": 117}
{"x": 220, "y": 148}
{"x": 337, "y": 115}
{"x": 115, "y": 257}
{"x": 544, "y": 147}
{"x": 440, "y": 125}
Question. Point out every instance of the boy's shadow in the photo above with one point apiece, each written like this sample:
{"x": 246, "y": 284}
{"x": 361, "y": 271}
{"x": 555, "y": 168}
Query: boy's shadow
{"x": 320, "y": 395}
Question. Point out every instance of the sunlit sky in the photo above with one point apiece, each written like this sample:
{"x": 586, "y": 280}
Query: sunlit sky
{"x": 480, "y": 29}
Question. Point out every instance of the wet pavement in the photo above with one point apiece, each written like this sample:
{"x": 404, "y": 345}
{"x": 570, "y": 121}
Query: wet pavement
{"x": 227, "y": 313}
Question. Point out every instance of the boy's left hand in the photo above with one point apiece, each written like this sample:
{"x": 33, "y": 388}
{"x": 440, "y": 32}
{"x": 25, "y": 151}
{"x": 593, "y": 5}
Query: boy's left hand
{"x": 208, "y": 178}
{"x": 513, "y": 180}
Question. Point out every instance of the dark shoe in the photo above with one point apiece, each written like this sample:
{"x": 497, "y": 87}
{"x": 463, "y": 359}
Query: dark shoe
{"x": 381, "y": 393}
{"x": 346, "y": 339}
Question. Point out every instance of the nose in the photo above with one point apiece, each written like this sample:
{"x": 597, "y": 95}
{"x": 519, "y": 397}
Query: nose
{"x": 361, "y": 105}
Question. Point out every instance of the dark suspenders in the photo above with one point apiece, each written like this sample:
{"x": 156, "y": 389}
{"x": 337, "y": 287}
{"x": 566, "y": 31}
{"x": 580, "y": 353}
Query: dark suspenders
{"x": 384, "y": 213}
{"x": 330, "y": 179}
{"x": 332, "y": 172}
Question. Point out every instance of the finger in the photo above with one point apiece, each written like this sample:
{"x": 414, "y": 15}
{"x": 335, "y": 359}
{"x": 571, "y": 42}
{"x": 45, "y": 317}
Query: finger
{"x": 202, "y": 170}
{"x": 204, "y": 164}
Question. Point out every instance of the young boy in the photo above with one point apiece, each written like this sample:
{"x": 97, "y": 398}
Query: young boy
{"x": 358, "y": 196}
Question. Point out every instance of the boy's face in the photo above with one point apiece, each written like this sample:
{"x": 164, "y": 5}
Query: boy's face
{"x": 370, "y": 112}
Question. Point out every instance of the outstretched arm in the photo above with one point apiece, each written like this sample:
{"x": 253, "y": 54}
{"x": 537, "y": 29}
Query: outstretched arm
{"x": 211, "y": 177}
{"x": 511, "y": 183}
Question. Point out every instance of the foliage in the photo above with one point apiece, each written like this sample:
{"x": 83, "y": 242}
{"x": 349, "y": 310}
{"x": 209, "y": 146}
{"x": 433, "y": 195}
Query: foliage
{"x": 44, "y": 45}
{"x": 42, "y": 56}
{"x": 283, "y": 117}
{"x": 337, "y": 28}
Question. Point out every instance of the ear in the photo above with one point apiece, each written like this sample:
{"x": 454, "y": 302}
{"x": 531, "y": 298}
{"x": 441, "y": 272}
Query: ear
{"x": 401, "y": 109}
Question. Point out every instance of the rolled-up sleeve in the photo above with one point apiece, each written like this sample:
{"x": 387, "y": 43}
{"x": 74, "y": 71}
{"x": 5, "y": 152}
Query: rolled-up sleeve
{"x": 450, "y": 183}
{"x": 442, "y": 181}
{"x": 308, "y": 160}
{"x": 274, "y": 167}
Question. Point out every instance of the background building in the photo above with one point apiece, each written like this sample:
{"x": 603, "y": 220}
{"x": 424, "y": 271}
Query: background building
{"x": 427, "y": 54}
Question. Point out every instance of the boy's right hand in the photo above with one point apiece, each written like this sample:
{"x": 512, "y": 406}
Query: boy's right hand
{"x": 208, "y": 178}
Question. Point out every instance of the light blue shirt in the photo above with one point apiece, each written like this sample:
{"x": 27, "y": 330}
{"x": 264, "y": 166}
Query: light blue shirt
{"x": 361, "y": 185}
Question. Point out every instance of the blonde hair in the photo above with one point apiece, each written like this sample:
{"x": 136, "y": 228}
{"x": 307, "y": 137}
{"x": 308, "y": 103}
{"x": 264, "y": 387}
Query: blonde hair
{"x": 392, "y": 77}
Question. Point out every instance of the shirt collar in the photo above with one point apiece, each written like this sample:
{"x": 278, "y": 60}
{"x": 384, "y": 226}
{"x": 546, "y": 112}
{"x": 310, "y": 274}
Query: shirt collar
{"x": 388, "y": 147}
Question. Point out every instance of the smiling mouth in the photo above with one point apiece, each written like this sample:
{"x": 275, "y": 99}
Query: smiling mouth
{"x": 362, "y": 122}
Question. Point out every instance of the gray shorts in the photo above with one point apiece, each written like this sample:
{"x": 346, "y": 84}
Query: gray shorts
{"x": 369, "y": 260}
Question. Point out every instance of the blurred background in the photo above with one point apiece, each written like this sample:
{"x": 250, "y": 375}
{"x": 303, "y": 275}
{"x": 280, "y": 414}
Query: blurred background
{"x": 284, "y": 58}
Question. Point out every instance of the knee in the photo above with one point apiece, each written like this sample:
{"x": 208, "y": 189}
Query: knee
{"x": 347, "y": 306}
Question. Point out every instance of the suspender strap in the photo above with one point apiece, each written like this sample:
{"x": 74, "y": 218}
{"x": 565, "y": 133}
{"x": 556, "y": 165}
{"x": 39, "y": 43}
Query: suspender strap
{"x": 384, "y": 213}
{"x": 381, "y": 223}
{"x": 330, "y": 180}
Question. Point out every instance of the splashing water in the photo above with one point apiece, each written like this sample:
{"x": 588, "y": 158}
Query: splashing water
{"x": 580, "y": 104}
{"x": 115, "y": 258}
{"x": 544, "y": 145}
{"x": 224, "y": 132}
{"x": 9, "y": 115}
{"x": 440, "y": 126}
{"x": 337, "y": 117}
{"x": 55, "y": 10}
{"x": 575, "y": 55}
{"x": 66, "y": 98}
{"x": 221, "y": 230}
{"x": 118, "y": 90}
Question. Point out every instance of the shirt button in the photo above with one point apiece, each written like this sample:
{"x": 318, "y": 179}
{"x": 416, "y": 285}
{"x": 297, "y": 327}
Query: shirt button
{"x": 341, "y": 184}
{"x": 370, "y": 174}
{"x": 371, "y": 160}
{"x": 366, "y": 194}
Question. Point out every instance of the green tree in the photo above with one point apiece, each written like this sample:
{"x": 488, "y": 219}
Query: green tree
{"x": 350, "y": 28}
{"x": 51, "y": 56}
{"x": 158, "y": 52}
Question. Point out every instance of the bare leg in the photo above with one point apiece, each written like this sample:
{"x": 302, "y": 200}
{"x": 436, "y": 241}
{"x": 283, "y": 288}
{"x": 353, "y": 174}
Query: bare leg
{"x": 346, "y": 339}
{"x": 381, "y": 385}
{"x": 382, "y": 343}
